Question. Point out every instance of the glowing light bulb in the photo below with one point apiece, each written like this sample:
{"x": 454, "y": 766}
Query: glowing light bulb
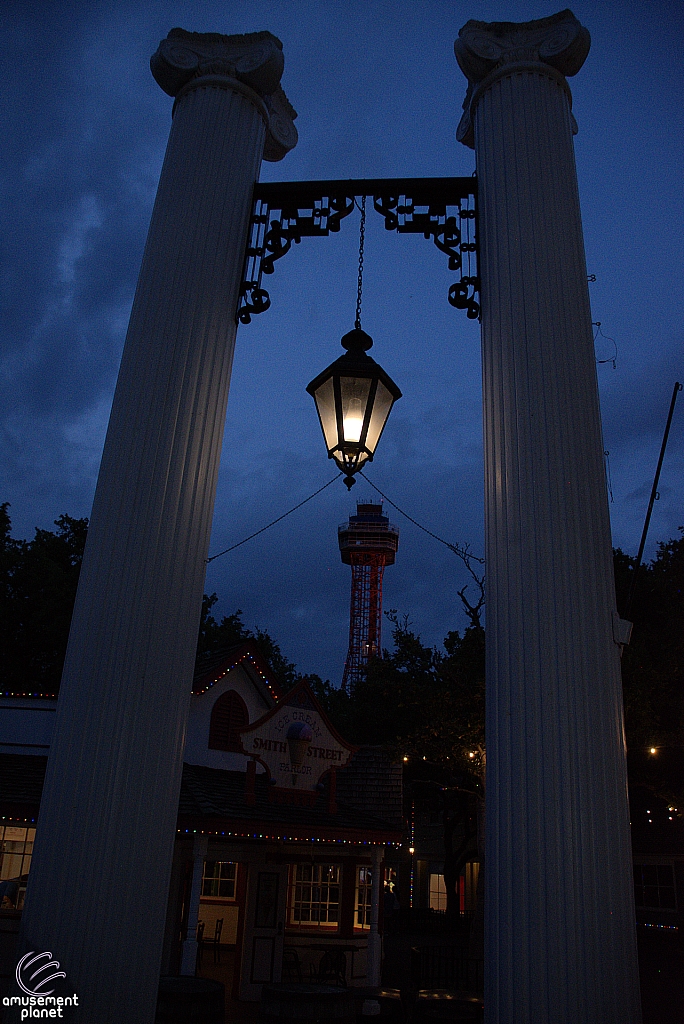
{"x": 471, "y": 754}
{"x": 353, "y": 421}
{"x": 405, "y": 758}
{"x": 412, "y": 850}
{"x": 653, "y": 750}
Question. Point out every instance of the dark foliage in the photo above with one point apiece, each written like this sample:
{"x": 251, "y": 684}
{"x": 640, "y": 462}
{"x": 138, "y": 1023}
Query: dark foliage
{"x": 423, "y": 704}
{"x": 426, "y": 707}
{"x": 231, "y": 630}
{"x": 653, "y": 670}
{"x": 38, "y": 581}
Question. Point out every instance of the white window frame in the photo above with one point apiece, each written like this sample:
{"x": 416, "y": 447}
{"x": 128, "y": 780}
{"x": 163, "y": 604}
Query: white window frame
{"x": 362, "y": 896}
{"x": 313, "y": 896}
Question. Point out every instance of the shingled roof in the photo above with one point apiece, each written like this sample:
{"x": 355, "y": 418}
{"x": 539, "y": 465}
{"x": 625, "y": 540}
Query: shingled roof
{"x": 373, "y": 784}
{"x": 212, "y": 798}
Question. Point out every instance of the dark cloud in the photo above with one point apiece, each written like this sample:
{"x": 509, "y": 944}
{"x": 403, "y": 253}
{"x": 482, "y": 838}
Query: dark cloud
{"x": 378, "y": 93}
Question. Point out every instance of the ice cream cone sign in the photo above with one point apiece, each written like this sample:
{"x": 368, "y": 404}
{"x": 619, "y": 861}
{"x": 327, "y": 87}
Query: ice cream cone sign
{"x": 296, "y": 743}
{"x": 299, "y": 736}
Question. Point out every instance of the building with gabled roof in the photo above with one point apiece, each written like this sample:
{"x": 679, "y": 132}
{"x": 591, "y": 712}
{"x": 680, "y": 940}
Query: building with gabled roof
{"x": 282, "y": 827}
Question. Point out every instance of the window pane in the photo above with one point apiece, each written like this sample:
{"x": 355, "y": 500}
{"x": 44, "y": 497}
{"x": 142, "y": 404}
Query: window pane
{"x": 654, "y": 886}
{"x": 438, "y": 894}
{"x": 325, "y": 403}
{"x": 665, "y": 875}
{"x": 381, "y": 410}
{"x": 651, "y": 896}
{"x": 315, "y": 901}
{"x": 667, "y": 898}
{"x": 16, "y": 834}
{"x": 218, "y": 879}
{"x": 11, "y": 866}
{"x": 228, "y": 715}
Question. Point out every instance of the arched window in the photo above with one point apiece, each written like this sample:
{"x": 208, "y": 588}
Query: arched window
{"x": 228, "y": 715}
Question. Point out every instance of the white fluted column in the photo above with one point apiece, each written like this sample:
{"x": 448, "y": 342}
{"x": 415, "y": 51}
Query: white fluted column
{"x": 559, "y": 926}
{"x": 189, "y": 951}
{"x": 98, "y": 889}
{"x": 374, "y": 951}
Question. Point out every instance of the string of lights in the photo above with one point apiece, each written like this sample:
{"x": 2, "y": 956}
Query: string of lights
{"x": 291, "y": 839}
{"x": 254, "y": 835}
{"x": 229, "y": 668}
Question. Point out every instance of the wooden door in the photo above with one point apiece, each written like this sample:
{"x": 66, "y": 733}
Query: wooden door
{"x": 262, "y": 946}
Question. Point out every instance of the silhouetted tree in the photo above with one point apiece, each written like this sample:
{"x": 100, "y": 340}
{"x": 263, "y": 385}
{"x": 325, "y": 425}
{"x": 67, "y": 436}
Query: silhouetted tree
{"x": 231, "y": 630}
{"x": 426, "y": 707}
{"x": 38, "y": 581}
{"x": 653, "y": 669}
{"x": 420, "y": 703}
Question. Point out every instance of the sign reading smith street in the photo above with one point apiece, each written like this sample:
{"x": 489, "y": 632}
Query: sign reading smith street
{"x": 295, "y": 741}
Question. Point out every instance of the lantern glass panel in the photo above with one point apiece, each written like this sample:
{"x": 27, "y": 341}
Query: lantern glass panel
{"x": 324, "y": 397}
{"x": 381, "y": 410}
{"x": 354, "y": 393}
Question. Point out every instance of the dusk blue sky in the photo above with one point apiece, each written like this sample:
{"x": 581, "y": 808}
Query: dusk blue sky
{"x": 379, "y": 94}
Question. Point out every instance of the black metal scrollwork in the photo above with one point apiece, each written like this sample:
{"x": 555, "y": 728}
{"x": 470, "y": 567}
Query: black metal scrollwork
{"x": 286, "y": 212}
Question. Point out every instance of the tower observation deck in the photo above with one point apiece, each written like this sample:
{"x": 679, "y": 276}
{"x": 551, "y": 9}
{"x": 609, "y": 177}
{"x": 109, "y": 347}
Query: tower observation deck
{"x": 368, "y": 542}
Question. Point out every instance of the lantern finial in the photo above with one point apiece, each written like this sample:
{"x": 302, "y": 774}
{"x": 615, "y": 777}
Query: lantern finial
{"x": 357, "y": 341}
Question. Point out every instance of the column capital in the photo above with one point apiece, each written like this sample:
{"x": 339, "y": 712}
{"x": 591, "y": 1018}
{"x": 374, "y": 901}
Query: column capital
{"x": 254, "y": 60}
{"x": 487, "y": 51}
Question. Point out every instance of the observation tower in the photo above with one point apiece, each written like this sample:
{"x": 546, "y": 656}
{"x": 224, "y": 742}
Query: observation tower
{"x": 368, "y": 542}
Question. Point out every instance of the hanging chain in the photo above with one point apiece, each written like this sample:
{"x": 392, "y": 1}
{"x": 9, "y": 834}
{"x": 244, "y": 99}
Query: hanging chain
{"x": 362, "y": 234}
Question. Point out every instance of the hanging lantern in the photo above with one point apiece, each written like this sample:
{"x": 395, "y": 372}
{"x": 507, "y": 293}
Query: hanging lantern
{"x": 353, "y": 398}
{"x": 354, "y": 395}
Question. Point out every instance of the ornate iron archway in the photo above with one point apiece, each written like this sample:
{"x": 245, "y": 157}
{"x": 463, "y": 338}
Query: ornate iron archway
{"x": 443, "y": 209}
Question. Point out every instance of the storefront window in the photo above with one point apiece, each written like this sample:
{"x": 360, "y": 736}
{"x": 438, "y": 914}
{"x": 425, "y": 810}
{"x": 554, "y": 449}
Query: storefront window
{"x": 438, "y": 893}
{"x": 16, "y": 848}
{"x": 315, "y": 895}
{"x": 654, "y": 886}
{"x": 218, "y": 879}
{"x": 363, "y": 897}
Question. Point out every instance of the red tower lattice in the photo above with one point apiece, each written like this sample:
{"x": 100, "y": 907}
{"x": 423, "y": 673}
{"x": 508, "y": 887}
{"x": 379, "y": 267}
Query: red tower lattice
{"x": 368, "y": 542}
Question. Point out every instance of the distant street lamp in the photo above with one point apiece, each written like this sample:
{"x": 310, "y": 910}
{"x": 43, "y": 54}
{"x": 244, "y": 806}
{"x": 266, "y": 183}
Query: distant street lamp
{"x": 353, "y": 398}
